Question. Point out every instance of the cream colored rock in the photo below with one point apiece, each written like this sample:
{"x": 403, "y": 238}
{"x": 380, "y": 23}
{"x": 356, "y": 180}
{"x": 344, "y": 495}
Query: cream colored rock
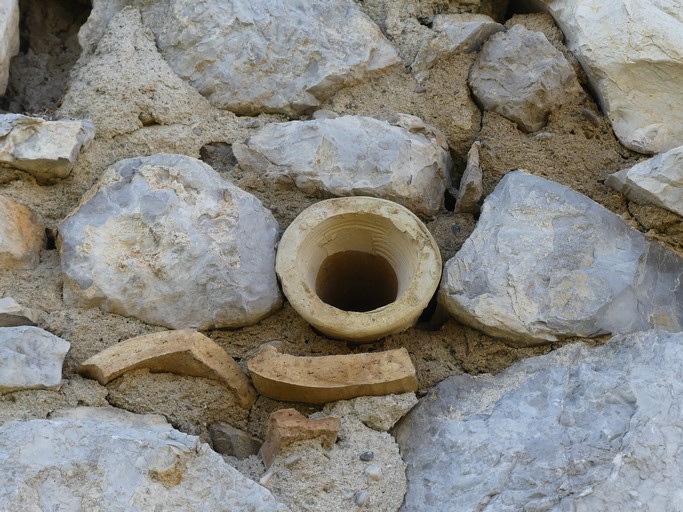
{"x": 358, "y": 268}
{"x": 46, "y": 149}
{"x": 471, "y": 187}
{"x": 9, "y": 40}
{"x": 13, "y": 314}
{"x": 183, "y": 352}
{"x": 22, "y": 236}
{"x": 319, "y": 380}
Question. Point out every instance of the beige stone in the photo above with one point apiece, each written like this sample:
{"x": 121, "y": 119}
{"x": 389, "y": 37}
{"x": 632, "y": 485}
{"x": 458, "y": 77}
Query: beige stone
{"x": 9, "y": 40}
{"x": 287, "y": 426}
{"x": 183, "y": 352}
{"x": 22, "y": 236}
{"x": 13, "y": 314}
{"x": 318, "y": 380}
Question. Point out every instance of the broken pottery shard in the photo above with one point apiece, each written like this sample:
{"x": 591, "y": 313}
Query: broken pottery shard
{"x": 105, "y": 459}
{"x": 30, "y": 358}
{"x": 13, "y": 314}
{"x": 287, "y": 426}
{"x": 581, "y": 428}
{"x": 658, "y": 180}
{"x": 546, "y": 262}
{"x": 9, "y": 38}
{"x": 471, "y": 187}
{"x": 318, "y": 380}
{"x": 522, "y": 77}
{"x": 228, "y": 440}
{"x": 166, "y": 239}
{"x": 45, "y": 149}
{"x": 184, "y": 352}
{"x": 22, "y": 236}
{"x": 404, "y": 160}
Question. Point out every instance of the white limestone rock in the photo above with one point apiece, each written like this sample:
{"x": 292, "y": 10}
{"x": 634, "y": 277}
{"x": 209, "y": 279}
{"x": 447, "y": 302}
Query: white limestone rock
{"x": 13, "y": 314}
{"x": 104, "y": 459}
{"x": 165, "y": 239}
{"x": 658, "y": 180}
{"x": 269, "y": 56}
{"x": 521, "y": 76}
{"x": 9, "y": 40}
{"x": 30, "y": 358}
{"x": 471, "y": 184}
{"x": 22, "y": 236}
{"x": 581, "y": 428}
{"x": 405, "y": 160}
{"x": 45, "y": 149}
{"x": 546, "y": 262}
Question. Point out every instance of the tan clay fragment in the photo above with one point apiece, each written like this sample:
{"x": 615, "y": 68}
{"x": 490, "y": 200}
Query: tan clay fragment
{"x": 183, "y": 352}
{"x": 318, "y": 380}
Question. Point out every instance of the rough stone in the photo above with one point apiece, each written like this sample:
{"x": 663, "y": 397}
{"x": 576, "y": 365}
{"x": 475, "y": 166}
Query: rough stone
{"x": 581, "y": 428}
{"x": 277, "y": 57}
{"x": 471, "y": 184}
{"x": 658, "y": 180}
{"x": 13, "y": 314}
{"x": 634, "y": 71}
{"x": 376, "y": 412}
{"x": 135, "y": 462}
{"x": 318, "y": 380}
{"x": 522, "y": 77}
{"x": 546, "y": 262}
{"x": 404, "y": 160}
{"x": 45, "y": 149}
{"x": 22, "y": 236}
{"x": 30, "y": 358}
{"x": 9, "y": 41}
{"x": 464, "y": 33}
{"x": 184, "y": 352}
{"x": 228, "y": 440}
{"x": 165, "y": 239}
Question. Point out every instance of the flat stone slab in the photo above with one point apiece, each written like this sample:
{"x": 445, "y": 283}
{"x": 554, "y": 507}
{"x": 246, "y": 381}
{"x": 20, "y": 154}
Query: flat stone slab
{"x": 183, "y": 352}
{"x": 13, "y": 314}
{"x": 471, "y": 188}
{"x": 318, "y": 380}
{"x": 22, "y": 235}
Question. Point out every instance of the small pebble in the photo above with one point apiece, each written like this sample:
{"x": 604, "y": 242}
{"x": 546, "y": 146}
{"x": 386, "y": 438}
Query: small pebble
{"x": 292, "y": 459}
{"x": 367, "y": 456}
{"x": 420, "y": 89}
{"x": 361, "y": 498}
{"x": 266, "y": 477}
{"x": 373, "y": 473}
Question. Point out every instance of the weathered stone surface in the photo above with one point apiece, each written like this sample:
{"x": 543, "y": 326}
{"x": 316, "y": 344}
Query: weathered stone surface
{"x": 272, "y": 57}
{"x": 658, "y": 180}
{"x": 546, "y": 262}
{"x": 183, "y": 352}
{"x": 9, "y": 40}
{"x": 455, "y": 33}
{"x": 288, "y": 426}
{"x": 22, "y": 235}
{"x": 45, "y": 149}
{"x": 632, "y": 53}
{"x": 471, "y": 187}
{"x": 103, "y": 459}
{"x": 404, "y": 160}
{"x": 165, "y": 239}
{"x": 376, "y": 412}
{"x": 582, "y": 428}
{"x": 13, "y": 314}
{"x": 323, "y": 379}
{"x": 228, "y": 440}
{"x": 521, "y": 76}
{"x": 30, "y": 358}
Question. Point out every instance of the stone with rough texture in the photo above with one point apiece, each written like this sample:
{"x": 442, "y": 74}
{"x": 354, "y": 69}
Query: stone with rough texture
{"x": 546, "y": 262}
{"x": 632, "y": 52}
{"x": 471, "y": 186}
{"x": 658, "y": 180}
{"x": 166, "y": 239}
{"x": 184, "y": 352}
{"x": 266, "y": 57}
{"x": 30, "y": 358}
{"x": 228, "y": 440}
{"x": 582, "y": 428}
{"x": 13, "y": 314}
{"x": 22, "y": 236}
{"x": 376, "y": 412}
{"x": 9, "y": 41}
{"x": 404, "y": 160}
{"x": 522, "y": 77}
{"x": 105, "y": 459}
{"x": 45, "y": 149}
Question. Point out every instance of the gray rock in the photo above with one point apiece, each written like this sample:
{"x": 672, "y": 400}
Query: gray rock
{"x": 165, "y": 239}
{"x": 404, "y": 160}
{"x": 9, "y": 38}
{"x": 283, "y": 57}
{"x": 471, "y": 186}
{"x": 582, "y": 428}
{"x": 521, "y": 76}
{"x": 546, "y": 262}
{"x": 22, "y": 236}
{"x": 30, "y": 358}
{"x": 658, "y": 180}
{"x": 109, "y": 460}
{"x": 228, "y": 440}
{"x": 13, "y": 314}
{"x": 377, "y": 412}
{"x": 45, "y": 149}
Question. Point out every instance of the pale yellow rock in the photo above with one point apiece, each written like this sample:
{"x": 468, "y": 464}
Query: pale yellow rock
{"x": 318, "y": 380}
{"x": 183, "y": 352}
{"x": 22, "y": 236}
